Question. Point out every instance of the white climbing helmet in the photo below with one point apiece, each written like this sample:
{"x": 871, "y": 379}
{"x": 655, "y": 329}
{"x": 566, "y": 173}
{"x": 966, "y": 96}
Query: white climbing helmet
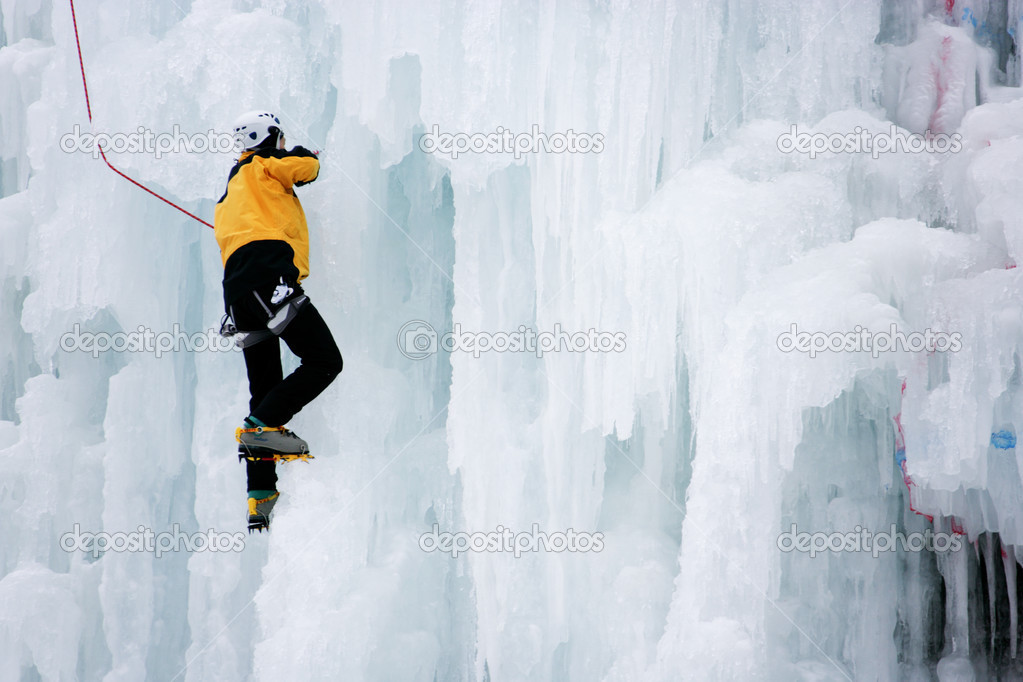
{"x": 252, "y": 128}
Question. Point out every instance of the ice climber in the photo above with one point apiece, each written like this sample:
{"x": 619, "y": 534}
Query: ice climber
{"x": 264, "y": 244}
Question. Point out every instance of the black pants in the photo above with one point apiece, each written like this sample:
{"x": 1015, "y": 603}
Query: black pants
{"x": 275, "y": 398}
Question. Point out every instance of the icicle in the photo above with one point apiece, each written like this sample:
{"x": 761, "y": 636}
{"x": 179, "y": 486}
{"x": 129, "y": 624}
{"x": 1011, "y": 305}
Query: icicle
{"x": 955, "y": 664}
{"x": 989, "y": 566}
{"x": 1009, "y": 561}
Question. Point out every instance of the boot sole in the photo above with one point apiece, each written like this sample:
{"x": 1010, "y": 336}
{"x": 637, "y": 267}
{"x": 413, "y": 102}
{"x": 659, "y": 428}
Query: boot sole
{"x": 256, "y": 453}
{"x": 273, "y": 457}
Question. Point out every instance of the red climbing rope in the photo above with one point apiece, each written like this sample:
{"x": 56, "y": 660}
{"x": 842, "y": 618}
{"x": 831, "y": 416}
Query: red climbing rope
{"x": 88, "y": 106}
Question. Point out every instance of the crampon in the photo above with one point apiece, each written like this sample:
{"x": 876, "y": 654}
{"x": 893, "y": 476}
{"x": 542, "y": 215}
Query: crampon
{"x": 258, "y": 453}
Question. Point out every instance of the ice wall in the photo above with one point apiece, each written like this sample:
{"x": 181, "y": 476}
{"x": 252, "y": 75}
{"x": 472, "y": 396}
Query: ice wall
{"x": 691, "y": 232}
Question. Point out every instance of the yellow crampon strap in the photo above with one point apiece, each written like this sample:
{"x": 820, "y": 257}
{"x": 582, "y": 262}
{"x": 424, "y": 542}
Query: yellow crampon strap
{"x": 278, "y": 458}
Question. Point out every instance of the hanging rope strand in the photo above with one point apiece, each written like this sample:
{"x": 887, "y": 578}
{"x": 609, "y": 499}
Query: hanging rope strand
{"x": 88, "y": 107}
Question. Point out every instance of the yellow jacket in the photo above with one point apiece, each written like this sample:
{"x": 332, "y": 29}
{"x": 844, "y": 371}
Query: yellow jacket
{"x": 260, "y": 204}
